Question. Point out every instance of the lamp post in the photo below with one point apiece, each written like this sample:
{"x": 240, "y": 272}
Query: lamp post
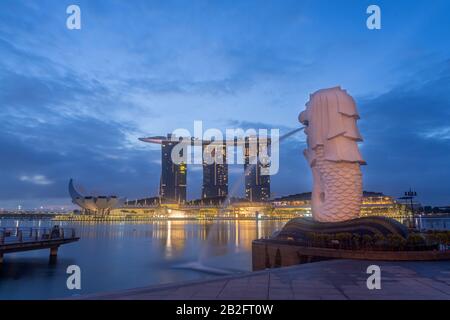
{"x": 410, "y": 195}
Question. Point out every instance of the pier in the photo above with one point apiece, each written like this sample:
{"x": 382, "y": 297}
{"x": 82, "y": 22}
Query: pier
{"x": 27, "y": 239}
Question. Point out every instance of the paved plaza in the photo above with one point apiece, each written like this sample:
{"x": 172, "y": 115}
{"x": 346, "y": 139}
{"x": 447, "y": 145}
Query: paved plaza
{"x": 335, "y": 280}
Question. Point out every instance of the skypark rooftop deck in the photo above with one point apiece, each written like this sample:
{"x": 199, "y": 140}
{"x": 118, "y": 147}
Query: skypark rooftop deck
{"x": 195, "y": 141}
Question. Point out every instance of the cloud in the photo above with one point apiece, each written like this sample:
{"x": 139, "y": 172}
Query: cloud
{"x": 73, "y": 104}
{"x": 40, "y": 180}
{"x": 438, "y": 133}
{"x": 406, "y": 137}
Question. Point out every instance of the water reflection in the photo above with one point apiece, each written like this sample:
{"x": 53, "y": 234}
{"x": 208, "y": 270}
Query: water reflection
{"x": 116, "y": 256}
{"x": 432, "y": 223}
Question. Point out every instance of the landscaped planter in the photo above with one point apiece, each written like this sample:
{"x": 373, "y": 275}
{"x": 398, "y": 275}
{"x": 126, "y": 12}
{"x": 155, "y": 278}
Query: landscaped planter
{"x": 277, "y": 253}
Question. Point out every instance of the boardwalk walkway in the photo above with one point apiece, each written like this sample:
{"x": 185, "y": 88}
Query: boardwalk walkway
{"x": 330, "y": 280}
{"x": 26, "y": 239}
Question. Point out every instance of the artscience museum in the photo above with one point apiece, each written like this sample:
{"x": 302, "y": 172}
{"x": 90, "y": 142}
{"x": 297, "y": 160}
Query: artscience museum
{"x": 99, "y": 205}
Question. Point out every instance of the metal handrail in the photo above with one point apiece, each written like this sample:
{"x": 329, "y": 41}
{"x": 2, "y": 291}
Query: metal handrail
{"x": 30, "y": 234}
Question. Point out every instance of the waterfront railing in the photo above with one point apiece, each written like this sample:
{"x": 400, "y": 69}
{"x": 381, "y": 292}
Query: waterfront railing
{"x": 21, "y": 235}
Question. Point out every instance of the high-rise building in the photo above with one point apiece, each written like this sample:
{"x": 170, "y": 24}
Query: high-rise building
{"x": 257, "y": 185}
{"x": 215, "y": 175}
{"x": 173, "y": 176}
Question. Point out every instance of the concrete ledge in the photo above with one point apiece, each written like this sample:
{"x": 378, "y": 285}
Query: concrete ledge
{"x": 278, "y": 253}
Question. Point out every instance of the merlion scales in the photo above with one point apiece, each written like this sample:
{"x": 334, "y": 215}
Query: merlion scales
{"x": 330, "y": 121}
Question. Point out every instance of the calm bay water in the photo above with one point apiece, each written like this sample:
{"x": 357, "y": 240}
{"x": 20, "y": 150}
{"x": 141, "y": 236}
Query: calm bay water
{"x": 433, "y": 223}
{"x": 115, "y": 256}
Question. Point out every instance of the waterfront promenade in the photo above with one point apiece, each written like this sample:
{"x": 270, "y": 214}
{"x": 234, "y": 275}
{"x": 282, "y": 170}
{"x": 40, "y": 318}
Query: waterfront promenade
{"x": 330, "y": 280}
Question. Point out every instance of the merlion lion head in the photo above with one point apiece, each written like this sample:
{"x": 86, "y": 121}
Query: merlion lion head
{"x": 330, "y": 119}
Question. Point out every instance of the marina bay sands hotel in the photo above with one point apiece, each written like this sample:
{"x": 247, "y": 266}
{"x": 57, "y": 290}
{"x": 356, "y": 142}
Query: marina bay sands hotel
{"x": 173, "y": 182}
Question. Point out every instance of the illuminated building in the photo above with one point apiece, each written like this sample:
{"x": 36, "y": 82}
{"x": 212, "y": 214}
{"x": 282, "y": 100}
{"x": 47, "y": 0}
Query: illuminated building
{"x": 215, "y": 175}
{"x": 257, "y": 185}
{"x": 374, "y": 204}
{"x": 288, "y": 207}
{"x": 98, "y": 205}
{"x": 378, "y": 204}
{"x": 173, "y": 176}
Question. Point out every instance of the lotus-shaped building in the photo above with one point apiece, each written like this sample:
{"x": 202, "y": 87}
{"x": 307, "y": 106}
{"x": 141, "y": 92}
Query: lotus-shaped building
{"x": 100, "y": 205}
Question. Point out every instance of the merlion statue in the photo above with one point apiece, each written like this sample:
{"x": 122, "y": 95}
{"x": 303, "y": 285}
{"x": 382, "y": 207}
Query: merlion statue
{"x": 330, "y": 124}
{"x": 330, "y": 120}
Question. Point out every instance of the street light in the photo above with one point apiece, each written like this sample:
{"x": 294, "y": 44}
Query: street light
{"x": 410, "y": 195}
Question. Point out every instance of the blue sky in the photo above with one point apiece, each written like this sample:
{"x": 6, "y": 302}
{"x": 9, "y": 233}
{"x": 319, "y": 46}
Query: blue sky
{"x": 74, "y": 102}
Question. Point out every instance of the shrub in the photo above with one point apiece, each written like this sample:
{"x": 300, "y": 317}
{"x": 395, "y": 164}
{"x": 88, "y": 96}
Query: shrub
{"x": 356, "y": 241}
{"x": 379, "y": 241}
{"x": 367, "y": 241}
{"x": 344, "y": 239}
{"x": 443, "y": 238}
{"x": 415, "y": 239}
{"x": 438, "y": 237}
{"x": 396, "y": 242}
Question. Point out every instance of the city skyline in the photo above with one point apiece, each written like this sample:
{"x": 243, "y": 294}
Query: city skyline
{"x": 74, "y": 102}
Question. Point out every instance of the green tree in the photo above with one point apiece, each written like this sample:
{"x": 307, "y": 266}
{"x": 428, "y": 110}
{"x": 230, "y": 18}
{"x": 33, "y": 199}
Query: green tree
{"x": 396, "y": 242}
{"x": 415, "y": 241}
{"x": 344, "y": 239}
{"x": 379, "y": 241}
{"x": 356, "y": 241}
